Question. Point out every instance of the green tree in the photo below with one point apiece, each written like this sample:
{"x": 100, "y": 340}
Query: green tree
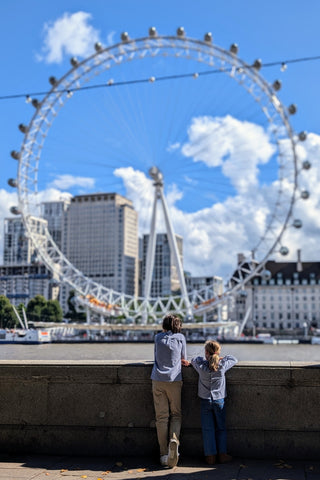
{"x": 35, "y": 307}
{"x": 52, "y": 312}
{"x": 8, "y": 318}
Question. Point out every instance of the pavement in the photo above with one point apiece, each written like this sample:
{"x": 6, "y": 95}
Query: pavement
{"x": 43, "y": 467}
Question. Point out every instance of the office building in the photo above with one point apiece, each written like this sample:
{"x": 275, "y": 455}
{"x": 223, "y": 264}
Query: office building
{"x": 23, "y": 275}
{"x": 101, "y": 240}
{"x": 165, "y": 280}
{"x": 55, "y": 214}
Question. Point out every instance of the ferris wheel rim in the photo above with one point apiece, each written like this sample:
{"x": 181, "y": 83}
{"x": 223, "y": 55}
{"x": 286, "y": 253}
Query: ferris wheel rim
{"x": 124, "y": 48}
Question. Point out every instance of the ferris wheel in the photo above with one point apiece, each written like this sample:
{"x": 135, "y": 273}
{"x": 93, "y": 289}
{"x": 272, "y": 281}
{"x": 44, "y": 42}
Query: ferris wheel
{"x": 211, "y": 60}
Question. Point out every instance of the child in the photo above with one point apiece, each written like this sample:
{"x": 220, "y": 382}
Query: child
{"x": 212, "y": 392}
{"x": 169, "y": 354}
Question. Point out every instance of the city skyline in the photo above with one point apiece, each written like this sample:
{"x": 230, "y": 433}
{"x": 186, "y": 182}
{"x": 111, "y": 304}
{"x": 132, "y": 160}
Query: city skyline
{"x": 218, "y": 222}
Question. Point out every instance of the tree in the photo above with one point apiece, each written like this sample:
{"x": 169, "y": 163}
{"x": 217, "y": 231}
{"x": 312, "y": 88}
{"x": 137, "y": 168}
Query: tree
{"x": 8, "y": 318}
{"x": 35, "y": 307}
{"x": 52, "y": 312}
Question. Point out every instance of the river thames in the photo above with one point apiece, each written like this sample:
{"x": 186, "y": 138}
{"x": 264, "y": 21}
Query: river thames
{"x": 144, "y": 352}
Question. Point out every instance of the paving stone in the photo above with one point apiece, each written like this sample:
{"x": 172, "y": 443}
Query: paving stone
{"x": 37, "y": 467}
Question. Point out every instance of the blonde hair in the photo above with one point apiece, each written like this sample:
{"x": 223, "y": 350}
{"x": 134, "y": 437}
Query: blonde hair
{"x": 213, "y": 349}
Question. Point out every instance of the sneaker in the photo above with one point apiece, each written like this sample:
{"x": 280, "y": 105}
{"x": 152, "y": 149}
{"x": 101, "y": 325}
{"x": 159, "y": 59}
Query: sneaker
{"x": 210, "y": 459}
{"x": 164, "y": 460}
{"x": 173, "y": 454}
{"x": 224, "y": 458}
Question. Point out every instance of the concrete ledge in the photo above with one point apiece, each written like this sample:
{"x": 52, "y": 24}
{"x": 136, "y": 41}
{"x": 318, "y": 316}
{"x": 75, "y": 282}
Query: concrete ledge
{"x": 106, "y": 408}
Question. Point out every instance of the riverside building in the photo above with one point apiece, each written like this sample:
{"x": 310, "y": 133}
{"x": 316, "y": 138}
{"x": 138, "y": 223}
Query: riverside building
{"x": 55, "y": 213}
{"x": 23, "y": 275}
{"x": 165, "y": 280}
{"x": 101, "y": 240}
{"x": 209, "y": 287}
{"x": 287, "y": 301}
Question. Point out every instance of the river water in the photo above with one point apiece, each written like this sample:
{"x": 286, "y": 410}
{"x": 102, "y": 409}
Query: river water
{"x": 144, "y": 352}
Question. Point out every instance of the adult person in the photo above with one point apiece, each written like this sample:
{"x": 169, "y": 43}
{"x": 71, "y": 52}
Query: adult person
{"x": 169, "y": 354}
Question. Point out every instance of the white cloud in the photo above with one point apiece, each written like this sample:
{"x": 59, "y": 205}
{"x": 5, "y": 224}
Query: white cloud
{"x": 64, "y": 182}
{"x": 110, "y": 38}
{"x": 173, "y": 146}
{"x": 237, "y": 147}
{"x": 71, "y": 35}
{"x": 213, "y": 236}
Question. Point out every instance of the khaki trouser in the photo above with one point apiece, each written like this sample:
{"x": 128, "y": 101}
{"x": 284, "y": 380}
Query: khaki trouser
{"x": 167, "y": 404}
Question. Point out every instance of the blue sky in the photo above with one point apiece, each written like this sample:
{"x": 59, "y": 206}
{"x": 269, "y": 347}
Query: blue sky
{"x": 97, "y": 125}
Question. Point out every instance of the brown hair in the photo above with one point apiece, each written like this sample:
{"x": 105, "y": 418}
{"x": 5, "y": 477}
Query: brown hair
{"x": 172, "y": 322}
{"x": 213, "y": 349}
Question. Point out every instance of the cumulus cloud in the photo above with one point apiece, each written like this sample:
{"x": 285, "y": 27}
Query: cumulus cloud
{"x": 227, "y": 143}
{"x": 213, "y": 236}
{"x": 71, "y": 34}
{"x": 64, "y": 182}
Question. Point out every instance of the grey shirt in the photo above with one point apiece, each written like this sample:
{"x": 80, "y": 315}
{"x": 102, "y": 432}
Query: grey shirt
{"x": 169, "y": 349}
{"x": 212, "y": 384}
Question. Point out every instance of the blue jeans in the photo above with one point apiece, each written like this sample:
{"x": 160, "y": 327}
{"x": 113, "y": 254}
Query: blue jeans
{"x": 213, "y": 422}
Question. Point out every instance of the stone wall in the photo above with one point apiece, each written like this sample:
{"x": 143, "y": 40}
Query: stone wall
{"x": 101, "y": 408}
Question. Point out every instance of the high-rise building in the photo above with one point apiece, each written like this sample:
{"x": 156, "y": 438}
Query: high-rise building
{"x": 165, "y": 280}
{"x": 54, "y": 213}
{"x": 101, "y": 240}
{"x": 22, "y": 276}
{"x": 18, "y": 248}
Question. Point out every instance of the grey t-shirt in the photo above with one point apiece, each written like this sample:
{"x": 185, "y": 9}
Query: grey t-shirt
{"x": 169, "y": 349}
{"x": 212, "y": 384}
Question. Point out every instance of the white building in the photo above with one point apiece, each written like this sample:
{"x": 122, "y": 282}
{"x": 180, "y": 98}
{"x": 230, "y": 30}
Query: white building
{"x": 209, "y": 287}
{"x": 18, "y": 248}
{"x": 288, "y": 300}
{"x": 101, "y": 240}
{"x": 55, "y": 213}
{"x": 22, "y": 276}
{"x": 165, "y": 280}
{"x": 201, "y": 283}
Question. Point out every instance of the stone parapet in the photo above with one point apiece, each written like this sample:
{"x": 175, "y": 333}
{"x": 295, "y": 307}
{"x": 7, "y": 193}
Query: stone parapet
{"x": 106, "y": 408}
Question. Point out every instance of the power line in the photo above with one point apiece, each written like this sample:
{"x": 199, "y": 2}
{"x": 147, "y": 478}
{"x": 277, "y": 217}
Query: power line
{"x": 152, "y": 79}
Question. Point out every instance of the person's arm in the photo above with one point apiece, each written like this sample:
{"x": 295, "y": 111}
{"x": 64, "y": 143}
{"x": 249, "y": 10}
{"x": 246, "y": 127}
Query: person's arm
{"x": 184, "y": 349}
{"x": 197, "y": 363}
{"x": 185, "y": 362}
{"x": 229, "y": 361}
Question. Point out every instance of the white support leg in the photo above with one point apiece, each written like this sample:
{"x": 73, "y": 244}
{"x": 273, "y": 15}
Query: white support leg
{"x": 151, "y": 248}
{"x": 175, "y": 252}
